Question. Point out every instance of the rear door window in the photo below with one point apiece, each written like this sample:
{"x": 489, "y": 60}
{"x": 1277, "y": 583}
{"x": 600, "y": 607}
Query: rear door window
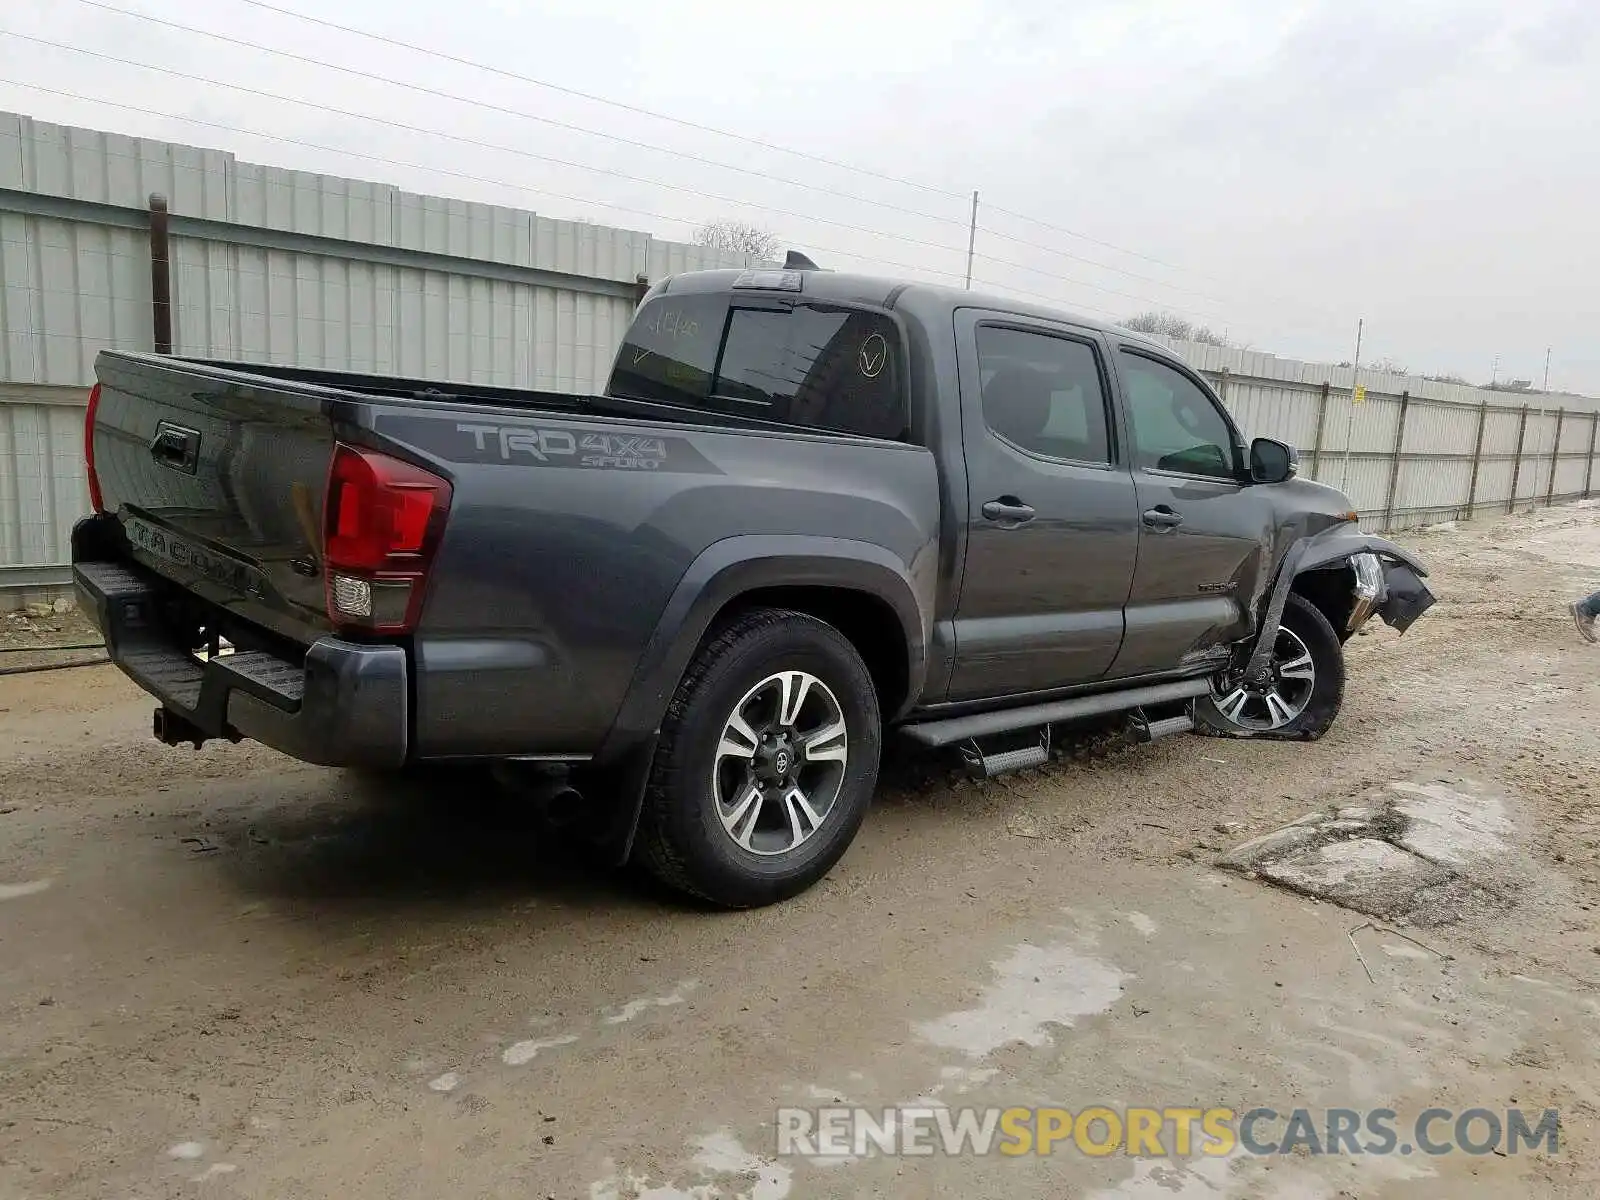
{"x": 816, "y": 366}
{"x": 1044, "y": 393}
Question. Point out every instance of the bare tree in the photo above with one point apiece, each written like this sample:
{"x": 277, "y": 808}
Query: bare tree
{"x": 1164, "y": 324}
{"x": 1391, "y": 366}
{"x": 1447, "y": 377}
{"x": 738, "y": 237}
{"x": 1171, "y": 325}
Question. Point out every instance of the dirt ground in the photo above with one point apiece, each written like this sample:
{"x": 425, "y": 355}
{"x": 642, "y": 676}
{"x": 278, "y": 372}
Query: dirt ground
{"x": 226, "y": 974}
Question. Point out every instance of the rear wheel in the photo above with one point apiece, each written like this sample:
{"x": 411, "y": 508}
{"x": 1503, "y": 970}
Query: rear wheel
{"x": 1301, "y": 696}
{"x": 766, "y": 764}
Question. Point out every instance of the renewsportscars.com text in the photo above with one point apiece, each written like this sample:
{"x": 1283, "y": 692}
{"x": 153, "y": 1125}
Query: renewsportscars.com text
{"x": 843, "y": 1131}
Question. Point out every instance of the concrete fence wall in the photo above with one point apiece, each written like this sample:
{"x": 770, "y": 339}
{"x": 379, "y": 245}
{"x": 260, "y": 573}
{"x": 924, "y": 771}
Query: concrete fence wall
{"x": 288, "y": 267}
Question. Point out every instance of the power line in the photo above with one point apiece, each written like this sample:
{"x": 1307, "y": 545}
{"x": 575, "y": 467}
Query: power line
{"x": 469, "y": 141}
{"x": 398, "y": 162}
{"x": 439, "y": 94}
{"x": 618, "y": 104}
{"x": 1007, "y": 262}
{"x": 1057, "y": 301}
{"x": 684, "y": 123}
{"x": 1096, "y": 263}
{"x": 1062, "y": 229}
{"x": 571, "y": 127}
{"x": 212, "y": 82}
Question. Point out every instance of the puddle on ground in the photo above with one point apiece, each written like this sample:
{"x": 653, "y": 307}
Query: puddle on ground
{"x": 717, "y": 1157}
{"x": 634, "y": 1009}
{"x": 1035, "y": 987}
{"x": 521, "y": 1053}
{"x": 15, "y": 891}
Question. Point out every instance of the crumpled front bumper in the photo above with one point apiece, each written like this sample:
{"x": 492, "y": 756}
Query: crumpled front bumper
{"x": 1391, "y": 589}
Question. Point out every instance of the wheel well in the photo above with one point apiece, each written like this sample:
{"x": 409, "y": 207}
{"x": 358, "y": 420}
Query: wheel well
{"x": 869, "y": 623}
{"x": 1332, "y": 590}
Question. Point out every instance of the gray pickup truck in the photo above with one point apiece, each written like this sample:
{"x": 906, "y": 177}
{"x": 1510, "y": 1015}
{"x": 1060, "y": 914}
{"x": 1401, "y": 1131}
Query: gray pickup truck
{"x": 809, "y": 510}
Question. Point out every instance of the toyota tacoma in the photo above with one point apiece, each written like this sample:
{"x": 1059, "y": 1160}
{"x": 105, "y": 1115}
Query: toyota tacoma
{"x": 810, "y": 511}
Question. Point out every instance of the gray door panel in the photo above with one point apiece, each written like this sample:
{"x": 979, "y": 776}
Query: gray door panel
{"x": 1052, "y": 517}
{"x": 1201, "y": 535}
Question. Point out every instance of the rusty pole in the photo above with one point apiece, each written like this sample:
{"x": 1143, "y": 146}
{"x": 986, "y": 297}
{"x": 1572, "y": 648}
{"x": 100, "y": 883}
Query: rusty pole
{"x": 1516, "y": 467}
{"x": 1588, "y": 479}
{"x": 1322, "y": 419}
{"x": 1555, "y": 460}
{"x": 1477, "y": 459}
{"x": 1394, "y": 467}
{"x": 160, "y": 277}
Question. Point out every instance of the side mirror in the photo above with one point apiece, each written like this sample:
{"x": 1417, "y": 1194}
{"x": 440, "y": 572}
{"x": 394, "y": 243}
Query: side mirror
{"x": 1272, "y": 461}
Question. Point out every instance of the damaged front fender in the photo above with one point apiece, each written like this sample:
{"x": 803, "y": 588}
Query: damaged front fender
{"x": 1388, "y": 581}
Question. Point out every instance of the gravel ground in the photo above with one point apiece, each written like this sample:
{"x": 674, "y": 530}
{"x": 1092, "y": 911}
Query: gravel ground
{"x": 226, "y": 974}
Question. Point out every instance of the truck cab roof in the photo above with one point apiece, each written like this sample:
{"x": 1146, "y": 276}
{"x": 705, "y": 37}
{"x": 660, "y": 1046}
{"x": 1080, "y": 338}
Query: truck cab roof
{"x": 880, "y": 291}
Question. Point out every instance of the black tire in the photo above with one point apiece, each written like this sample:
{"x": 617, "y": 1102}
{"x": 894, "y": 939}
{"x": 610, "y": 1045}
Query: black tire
{"x": 1304, "y": 621}
{"x": 681, "y": 838}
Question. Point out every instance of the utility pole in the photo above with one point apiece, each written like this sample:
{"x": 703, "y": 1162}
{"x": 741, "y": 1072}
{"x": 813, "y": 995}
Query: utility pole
{"x": 1546, "y": 388}
{"x": 1350, "y": 421}
{"x": 972, "y": 238}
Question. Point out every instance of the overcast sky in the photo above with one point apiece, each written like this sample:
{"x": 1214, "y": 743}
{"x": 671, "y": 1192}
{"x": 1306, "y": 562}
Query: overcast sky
{"x": 1272, "y": 168}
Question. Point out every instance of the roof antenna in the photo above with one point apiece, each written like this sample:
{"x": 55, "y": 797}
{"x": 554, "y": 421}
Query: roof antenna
{"x": 795, "y": 261}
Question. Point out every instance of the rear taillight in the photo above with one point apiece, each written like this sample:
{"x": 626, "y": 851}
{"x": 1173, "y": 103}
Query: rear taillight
{"x": 382, "y": 519}
{"x": 88, "y": 449}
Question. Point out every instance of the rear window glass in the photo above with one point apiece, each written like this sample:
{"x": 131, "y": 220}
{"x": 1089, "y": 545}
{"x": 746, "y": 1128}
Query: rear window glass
{"x": 671, "y": 350}
{"x": 813, "y": 365}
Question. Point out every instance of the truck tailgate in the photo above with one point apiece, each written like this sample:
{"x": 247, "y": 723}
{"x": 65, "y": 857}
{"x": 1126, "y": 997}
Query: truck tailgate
{"x": 217, "y": 480}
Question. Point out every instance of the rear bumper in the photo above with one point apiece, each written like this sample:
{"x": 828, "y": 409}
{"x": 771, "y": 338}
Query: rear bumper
{"x": 345, "y": 705}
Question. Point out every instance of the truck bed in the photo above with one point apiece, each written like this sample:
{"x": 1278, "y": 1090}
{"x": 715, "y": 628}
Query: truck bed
{"x": 571, "y": 521}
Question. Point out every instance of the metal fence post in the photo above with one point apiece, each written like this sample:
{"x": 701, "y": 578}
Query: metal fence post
{"x": 1555, "y": 459}
{"x": 160, "y": 277}
{"x": 1322, "y": 419}
{"x": 1394, "y": 467}
{"x": 1477, "y": 459}
{"x": 1516, "y": 468}
{"x": 1588, "y": 478}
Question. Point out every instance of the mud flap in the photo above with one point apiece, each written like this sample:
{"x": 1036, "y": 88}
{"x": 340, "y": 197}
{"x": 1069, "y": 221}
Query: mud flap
{"x": 616, "y": 792}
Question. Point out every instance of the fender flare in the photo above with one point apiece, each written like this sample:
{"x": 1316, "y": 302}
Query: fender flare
{"x": 724, "y": 571}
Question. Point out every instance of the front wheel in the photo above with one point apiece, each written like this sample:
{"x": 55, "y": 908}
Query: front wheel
{"x": 766, "y": 764}
{"x": 1301, "y": 696}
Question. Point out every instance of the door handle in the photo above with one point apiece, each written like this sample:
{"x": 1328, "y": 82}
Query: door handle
{"x": 1162, "y": 516}
{"x": 1008, "y": 509}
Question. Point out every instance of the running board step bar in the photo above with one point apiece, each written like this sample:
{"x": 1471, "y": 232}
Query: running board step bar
{"x": 1009, "y": 720}
{"x": 1142, "y": 729}
{"x": 986, "y": 766}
